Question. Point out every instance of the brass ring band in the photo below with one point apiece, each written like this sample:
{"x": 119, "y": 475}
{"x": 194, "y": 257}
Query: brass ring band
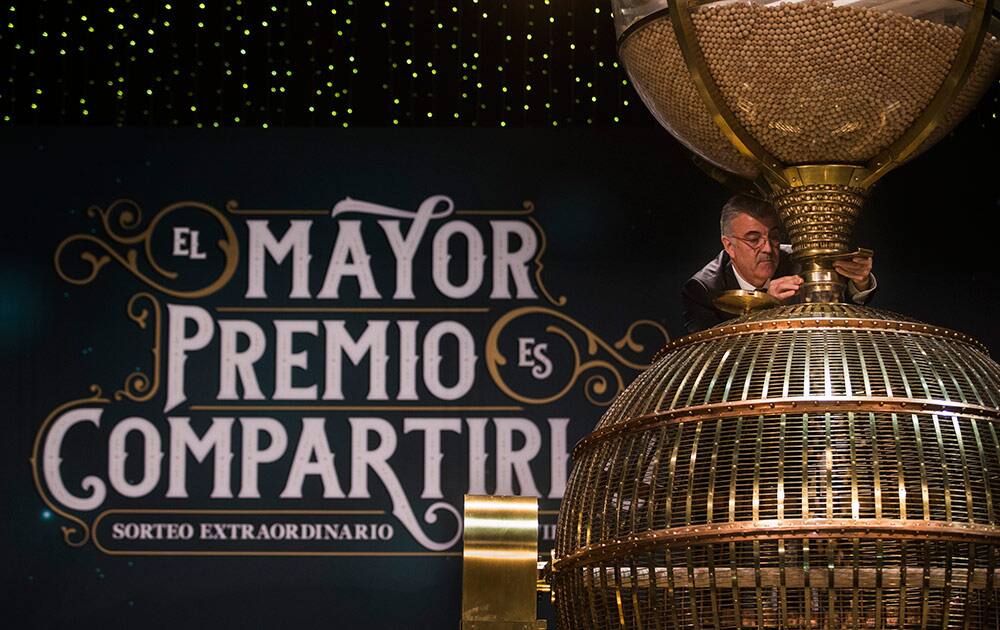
{"x": 840, "y": 323}
{"x": 778, "y": 406}
{"x": 896, "y": 529}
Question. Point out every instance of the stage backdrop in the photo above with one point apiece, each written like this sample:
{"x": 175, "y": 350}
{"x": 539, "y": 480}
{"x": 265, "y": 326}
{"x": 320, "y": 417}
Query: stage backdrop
{"x": 249, "y": 375}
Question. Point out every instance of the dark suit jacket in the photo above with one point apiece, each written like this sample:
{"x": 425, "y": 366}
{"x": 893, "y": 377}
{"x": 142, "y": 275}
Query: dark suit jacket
{"x": 715, "y": 278}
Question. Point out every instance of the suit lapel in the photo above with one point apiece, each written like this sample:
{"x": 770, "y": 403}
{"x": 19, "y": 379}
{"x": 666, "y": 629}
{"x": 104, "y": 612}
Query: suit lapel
{"x": 729, "y": 281}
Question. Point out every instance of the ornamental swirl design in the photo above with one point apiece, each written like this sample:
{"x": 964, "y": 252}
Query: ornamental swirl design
{"x": 599, "y": 387}
{"x": 138, "y": 385}
{"x": 124, "y": 238}
{"x": 78, "y": 535}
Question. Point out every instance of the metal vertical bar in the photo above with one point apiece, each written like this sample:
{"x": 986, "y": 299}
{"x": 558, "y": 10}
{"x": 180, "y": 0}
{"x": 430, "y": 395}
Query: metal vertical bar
{"x": 944, "y": 467}
{"x": 693, "y": 591}
{"x": 713, "y": 588}
{"x": 984, "y": 470}
{"x": 745, "y": 143}
{"x": 806, "y": 514}
{"x": 924, "y": 489}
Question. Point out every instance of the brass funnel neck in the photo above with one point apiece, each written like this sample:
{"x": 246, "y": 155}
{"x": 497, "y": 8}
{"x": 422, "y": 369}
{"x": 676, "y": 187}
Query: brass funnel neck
{"x": 819, "y": 219}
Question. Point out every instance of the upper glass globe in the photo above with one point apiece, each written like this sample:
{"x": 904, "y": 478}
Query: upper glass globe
{"x": 812, "y": 81}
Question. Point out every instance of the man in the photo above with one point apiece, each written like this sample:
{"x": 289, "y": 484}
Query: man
{"x": 752, "y": 259}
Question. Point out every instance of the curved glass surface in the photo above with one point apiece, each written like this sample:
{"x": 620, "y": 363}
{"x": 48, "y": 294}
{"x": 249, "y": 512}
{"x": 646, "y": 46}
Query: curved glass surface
{"x": 813, "y": 81}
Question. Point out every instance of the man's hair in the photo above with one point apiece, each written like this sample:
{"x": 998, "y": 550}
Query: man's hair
{"x": 744, "y": 204}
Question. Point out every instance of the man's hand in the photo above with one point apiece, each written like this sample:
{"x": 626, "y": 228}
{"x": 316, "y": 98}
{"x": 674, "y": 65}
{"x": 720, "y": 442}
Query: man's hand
{"x": 784, "y": 287}
{"x": 858, "y": 270}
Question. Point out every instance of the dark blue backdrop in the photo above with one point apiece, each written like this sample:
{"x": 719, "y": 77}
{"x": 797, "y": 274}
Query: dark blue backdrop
{"x": 628, "y": 219}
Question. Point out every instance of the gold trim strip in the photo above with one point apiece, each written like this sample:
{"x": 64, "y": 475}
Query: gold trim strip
{"x": 290, "y": 554}
{"x": 233, "y": 207}
{"x": 850, "y": 175}
{"x": 111, "y": 552}
{"x": 353, "y": 408}
{"x": 350, "y": 309}
{"x": 236, "y": 512}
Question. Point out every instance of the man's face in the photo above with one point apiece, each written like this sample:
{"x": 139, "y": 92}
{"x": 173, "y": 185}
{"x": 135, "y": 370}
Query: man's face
{"x": 749, "y": 244}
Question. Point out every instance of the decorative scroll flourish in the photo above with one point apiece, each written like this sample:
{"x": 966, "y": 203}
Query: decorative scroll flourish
{"x": 72, "y": 536}
{"x": 561, "y": 301}
{"x": 599, "y": 388}
{"x": 138, "y": 385}
{"x": 121, "y": 222}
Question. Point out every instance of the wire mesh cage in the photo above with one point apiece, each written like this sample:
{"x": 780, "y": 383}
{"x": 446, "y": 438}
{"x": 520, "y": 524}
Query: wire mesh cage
{"x": 810, "y": 466}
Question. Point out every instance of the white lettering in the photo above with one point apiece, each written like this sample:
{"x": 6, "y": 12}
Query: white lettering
{"x": 262, "y": 242}
{"x": 183, "y": 439}
{"x": 253, "y": 455}
{"x": 508, "y": 263}
{"x": 52, "y": 461}
{"x": 442, "y": 258}
{"x": 432, "y": 428}
{"x": 349, "y": 245}
{"x": 371, "y": 342}
{"x": 313, "y": 457}
{"x": 285, "y": 361}
{"x": 233, "y": 362}
{"x": 179, "y": 344}
{"x": 117, "y": 455}
{"x": 515, "y": 464}
{"x": 466, "y": 360}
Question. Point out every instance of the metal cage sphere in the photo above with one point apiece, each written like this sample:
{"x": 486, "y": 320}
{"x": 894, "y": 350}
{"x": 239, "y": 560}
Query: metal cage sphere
{"x": 810, "y": 466}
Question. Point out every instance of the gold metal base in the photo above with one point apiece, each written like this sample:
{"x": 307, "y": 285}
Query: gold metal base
{"x": 741, "y": 302}
{"x": 822, "y": 283}
{"x": 500, "y": 564}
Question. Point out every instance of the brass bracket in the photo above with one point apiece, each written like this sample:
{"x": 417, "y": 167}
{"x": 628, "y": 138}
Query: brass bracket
{"x": 850, "y": 175}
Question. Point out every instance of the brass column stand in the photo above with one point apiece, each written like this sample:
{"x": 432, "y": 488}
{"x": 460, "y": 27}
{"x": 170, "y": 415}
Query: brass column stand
{"x": 500, "y": 564}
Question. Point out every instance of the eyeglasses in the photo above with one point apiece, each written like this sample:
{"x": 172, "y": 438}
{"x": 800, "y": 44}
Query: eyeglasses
{"x": 756, "y": 241}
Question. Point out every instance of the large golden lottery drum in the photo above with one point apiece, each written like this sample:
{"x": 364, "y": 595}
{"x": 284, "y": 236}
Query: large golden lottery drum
{"x": 811, "y": 466}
